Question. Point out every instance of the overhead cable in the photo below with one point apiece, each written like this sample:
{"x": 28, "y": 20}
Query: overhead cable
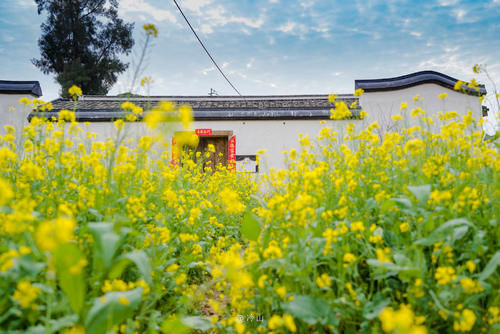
{"x": 204, "y": 48}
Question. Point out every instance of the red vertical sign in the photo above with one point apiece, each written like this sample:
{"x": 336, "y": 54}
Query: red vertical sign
{"x": 232, "y": 154}
{"x": 175, "y": 152}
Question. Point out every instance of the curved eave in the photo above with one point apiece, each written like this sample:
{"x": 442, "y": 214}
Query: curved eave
{"x": 208, "y": 115}
{"x": 20, "y": 87}
{"x": 414, "y": 79}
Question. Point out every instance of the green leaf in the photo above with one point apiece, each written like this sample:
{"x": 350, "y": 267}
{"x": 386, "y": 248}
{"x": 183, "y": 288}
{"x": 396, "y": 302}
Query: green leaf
{"x": 174, "y": 326}
{"x": 39, "y": 329}
{"x": 421, "y": 193}
{"x": 199, "y": 323}
{"x": 442, "y": 231}
{"x": 490, "y": 267}
{"x": 250, "y": 227}
{"x": 373, "y": 309}
{"x": 388, "y": 204}
{"x": 308, "y": 309}
{"x": 436, "y": 299}
{"x": 107, "y": 311}
{"x": 106, "y": 243}
{"x": 403, "y": 203}
{"x": 71, "y": 274}
{"x": 460, "y": 232}
{"x": 391, "y": 266}
{"x": 64, "y": 322}
{"x": 272, "y": 263}
{"x": 139, "y": 258}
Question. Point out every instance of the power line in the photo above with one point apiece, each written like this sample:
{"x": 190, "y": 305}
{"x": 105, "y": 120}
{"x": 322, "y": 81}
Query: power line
{"x": 204, "y": 48}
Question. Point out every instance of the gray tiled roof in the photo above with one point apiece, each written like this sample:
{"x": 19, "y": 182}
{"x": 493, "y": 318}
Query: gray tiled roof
{"x": 20, "y": 87}
{"x": 417, "y": 78}
{"x": 106, "y": 108}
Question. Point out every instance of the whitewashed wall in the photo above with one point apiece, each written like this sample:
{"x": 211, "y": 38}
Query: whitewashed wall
{"x": 381, "y": 106}
{"x": 13, "y": 113}
{"x": 251, "y": 136}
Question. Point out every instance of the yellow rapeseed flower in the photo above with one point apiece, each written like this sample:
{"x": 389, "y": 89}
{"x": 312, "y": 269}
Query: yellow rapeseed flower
{"x": 444, "y": 275}
{"x": 465, "y": 322}
{"x": 289, "y": 323}
{"x": 281, "y": 291}
{"x": 349, "y": 258}
{"x": 26, "y": 293}
{"x": 151, "y": 30}
{"x": 52, "y": 233}
{"x": 471, "y": 286}
{"x": 6, "y": 194}
{"x": 66, "y": 115}
{"x": 75, "y": 91}
{"x": 359, "y": 92}
{"x": 275, "y": 322}
{"x": 124, "y": 301}
{"x": 323, "y": 281}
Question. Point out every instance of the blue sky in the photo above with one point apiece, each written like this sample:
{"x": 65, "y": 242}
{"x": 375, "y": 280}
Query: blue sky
{"x": 282, "y": 46}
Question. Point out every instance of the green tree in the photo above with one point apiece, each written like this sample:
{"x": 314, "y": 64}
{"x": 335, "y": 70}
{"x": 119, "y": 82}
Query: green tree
{"x": 81, "y": 43}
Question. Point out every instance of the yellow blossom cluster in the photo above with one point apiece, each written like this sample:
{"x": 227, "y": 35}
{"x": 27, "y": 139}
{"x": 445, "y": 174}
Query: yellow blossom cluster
{"x": 402, "y": 321}
{"x": 393, "y": 231}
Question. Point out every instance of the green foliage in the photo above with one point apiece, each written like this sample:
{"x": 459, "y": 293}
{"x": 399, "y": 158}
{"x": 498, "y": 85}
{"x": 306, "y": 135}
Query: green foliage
{"x": 250, "y": 227}
{"x": 81, "y": 44}
{"x": 111, "y": 309}
{"x": 70, "y": 274}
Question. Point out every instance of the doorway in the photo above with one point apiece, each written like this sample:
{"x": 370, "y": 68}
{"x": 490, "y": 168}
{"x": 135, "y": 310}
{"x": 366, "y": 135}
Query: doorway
{"x": 219, "y": 157}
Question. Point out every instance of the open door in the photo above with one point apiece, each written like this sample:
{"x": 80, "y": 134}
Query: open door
{"x": 221, "y": 150}
{"x": 224, "y": 144}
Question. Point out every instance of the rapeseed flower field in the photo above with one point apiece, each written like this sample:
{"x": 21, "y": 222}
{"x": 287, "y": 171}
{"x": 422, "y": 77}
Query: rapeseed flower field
{"x": 360, "y": 234}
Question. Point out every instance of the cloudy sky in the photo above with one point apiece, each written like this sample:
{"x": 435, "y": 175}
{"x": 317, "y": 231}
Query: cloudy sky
{"x": 282, "y": 46}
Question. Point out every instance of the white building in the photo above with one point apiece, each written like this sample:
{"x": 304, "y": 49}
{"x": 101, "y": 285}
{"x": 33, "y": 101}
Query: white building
{"x": 382, "y": 98}
{"x": 240, "y": 126}
{"x": 11, "y": 111}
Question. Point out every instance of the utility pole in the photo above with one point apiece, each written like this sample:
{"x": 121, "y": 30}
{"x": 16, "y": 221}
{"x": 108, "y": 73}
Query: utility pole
{"x": 212, "y": 92}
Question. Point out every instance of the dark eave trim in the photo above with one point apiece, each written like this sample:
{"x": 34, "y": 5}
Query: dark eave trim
{"x": 20, "y": 87}
{"x": 205, "y": 115}
{"x": 414, "y": 79}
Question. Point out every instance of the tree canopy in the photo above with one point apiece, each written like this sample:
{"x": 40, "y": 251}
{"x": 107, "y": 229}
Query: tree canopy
{"x": 81, "y": 43}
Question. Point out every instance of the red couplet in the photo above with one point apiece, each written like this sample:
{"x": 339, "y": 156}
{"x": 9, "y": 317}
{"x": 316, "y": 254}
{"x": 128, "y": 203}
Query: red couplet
{"x": 203, "y": 132}
{"x": 175, "y": 152}
{"x": 232, "y": 153}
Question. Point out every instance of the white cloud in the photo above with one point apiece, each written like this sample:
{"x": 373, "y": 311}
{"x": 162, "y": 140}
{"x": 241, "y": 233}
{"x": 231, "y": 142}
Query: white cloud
{"x": 208, "y": 70}
{"x": 219, "y": 16}
{"x": 138, "y": 7}
{"x": 448, "y": 2}
{"x": 307, "y": 3}
{"x": 416, "y": 34}
{"x": 274, "y": 1}
{"x": 8, "y": 38}
{"x": 195, "y": 5}
{"x": 250, "y": 63}
{"x": 451, "y": 49}
{"x": 206, "y": 29}
{"x": 451, "y": 61}
{"x": 26, "y": 3}
{"x": 287, "y": 27}
{"x": 294, "y": 28}
{"x": 463, "y": 16}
